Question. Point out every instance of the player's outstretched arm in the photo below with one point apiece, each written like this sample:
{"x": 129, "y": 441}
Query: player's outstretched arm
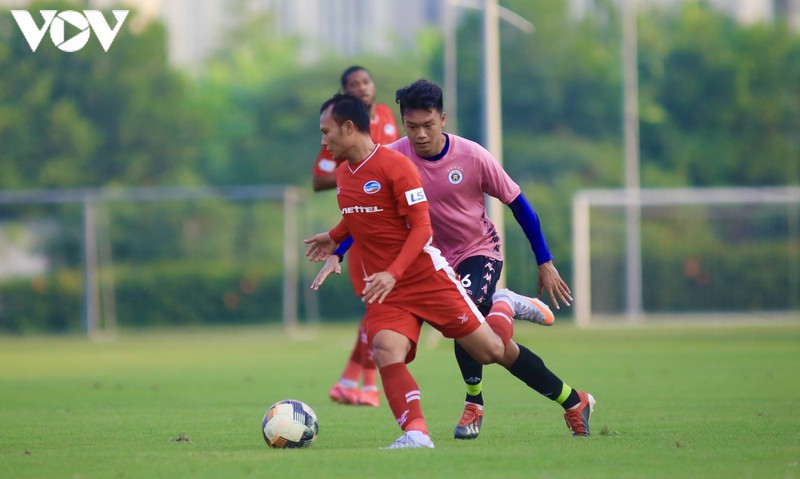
{"x": 331, "y": 266}
{"x": 550, "y": 279}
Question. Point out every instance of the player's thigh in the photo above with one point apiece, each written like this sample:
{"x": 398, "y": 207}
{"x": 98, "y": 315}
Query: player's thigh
{"x": 479, "y": 276}
{"x": 441, "y": 301}
{"x": 388, "y": 317}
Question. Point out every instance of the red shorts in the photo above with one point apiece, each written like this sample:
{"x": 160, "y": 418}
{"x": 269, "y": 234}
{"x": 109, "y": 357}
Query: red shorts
{"x": 439, "y": 300}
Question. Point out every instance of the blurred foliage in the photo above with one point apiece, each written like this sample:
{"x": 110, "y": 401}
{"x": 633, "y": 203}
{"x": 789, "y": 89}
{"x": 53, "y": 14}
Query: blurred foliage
{"x": 719, "y": 106}
{"x": 92, "y": 118}
{"x": 264, "y": 97}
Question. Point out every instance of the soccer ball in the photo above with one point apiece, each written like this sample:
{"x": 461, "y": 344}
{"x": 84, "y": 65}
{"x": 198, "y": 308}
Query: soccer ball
{"x": 289, "y": 423}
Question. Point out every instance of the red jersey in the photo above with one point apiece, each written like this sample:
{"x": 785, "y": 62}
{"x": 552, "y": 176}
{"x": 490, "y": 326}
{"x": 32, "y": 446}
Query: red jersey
{"x": 379, "y": 198}
{"x": 382, "y": 129}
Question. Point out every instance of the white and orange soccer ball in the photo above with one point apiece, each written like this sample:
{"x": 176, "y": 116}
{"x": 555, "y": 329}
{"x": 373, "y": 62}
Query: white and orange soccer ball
{"x": 289, "y": 424}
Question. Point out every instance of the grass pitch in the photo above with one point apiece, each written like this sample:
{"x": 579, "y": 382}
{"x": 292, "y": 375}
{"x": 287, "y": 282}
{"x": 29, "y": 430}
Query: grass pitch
{"x": 673, "y": 402}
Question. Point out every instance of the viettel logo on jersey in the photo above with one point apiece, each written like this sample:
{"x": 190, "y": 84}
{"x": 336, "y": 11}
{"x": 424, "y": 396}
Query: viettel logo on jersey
{"x": 372, "y": 187}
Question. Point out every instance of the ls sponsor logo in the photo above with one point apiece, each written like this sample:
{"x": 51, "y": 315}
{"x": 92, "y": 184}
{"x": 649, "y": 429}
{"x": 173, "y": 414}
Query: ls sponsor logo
{"x": 87, "y": 22}
{"x": 415, "y": 196}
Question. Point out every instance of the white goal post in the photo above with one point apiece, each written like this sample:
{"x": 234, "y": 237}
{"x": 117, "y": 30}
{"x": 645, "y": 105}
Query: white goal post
{"x": 784, "y": 200}
{"x": 99, "y": 315}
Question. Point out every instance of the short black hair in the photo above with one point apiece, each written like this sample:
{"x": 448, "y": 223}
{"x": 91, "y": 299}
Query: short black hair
{"x": 352, "y": 69}
{"x": 345, "y": 106}
{"x": 421, "y": 95}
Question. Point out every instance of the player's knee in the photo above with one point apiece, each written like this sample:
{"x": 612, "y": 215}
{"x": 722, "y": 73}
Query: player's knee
{"x": 491, "y": 353}
{"x": 383, "y": 355}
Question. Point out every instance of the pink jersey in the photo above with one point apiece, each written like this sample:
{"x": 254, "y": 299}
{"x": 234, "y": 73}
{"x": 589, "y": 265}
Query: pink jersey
{"x": 455, "y": 187}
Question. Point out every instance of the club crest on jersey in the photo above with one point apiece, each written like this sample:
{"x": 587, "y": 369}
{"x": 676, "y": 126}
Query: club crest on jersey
{"x": 372, "y": 187}
{"x": 389, "y": 130}
{"x": 455, "y": 176}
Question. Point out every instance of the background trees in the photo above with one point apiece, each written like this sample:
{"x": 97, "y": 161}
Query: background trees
{"x": 90, "y": 118}
{"x": 719, "y": 106}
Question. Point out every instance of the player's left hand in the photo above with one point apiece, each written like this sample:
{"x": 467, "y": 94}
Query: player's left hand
{"x": 321, "y": 246}
{"x": 379, "y": 285}
{"x": 331, "y": 266}
{"x": 550, "y": 280}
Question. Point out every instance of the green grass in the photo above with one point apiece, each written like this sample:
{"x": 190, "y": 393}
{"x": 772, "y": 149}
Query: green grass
{"x": 673, "y": 402}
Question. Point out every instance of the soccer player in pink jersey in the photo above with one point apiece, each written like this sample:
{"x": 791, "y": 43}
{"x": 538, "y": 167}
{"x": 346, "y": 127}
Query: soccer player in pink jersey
{"x": 457, "y": 173}
{"x": 385, "y": 210}
{"x": 357, "y": 81}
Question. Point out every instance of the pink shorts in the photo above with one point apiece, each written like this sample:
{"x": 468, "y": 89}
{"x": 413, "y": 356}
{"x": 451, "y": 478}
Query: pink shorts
{"x": 438, "y": 300}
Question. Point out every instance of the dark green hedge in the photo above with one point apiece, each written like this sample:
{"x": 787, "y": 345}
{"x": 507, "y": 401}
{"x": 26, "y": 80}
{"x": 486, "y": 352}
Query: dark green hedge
{"x": 167, "y": 294}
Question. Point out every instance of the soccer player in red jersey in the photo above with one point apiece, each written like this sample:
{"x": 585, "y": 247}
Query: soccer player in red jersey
{"x": 384, "y": 209}
{"x": 357, "y": 81}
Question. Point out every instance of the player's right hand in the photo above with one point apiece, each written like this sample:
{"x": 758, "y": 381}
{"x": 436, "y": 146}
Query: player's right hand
{"x": 379, "y": 285}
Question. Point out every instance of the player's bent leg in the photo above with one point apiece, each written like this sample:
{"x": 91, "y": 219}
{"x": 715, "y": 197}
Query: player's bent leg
{"x": 483, "y": 344}
{"x": 510, "y": 356}
{"x": 525, "y": 308}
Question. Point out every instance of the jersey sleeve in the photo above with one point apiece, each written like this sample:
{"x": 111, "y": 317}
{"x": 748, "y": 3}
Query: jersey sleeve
{"x": 413, "y": 205}
{"x": 388, "y": 125}
{"x": 324, "y": 165}
{"x": 495, "y": 181}
{"x": 339, "y": 233}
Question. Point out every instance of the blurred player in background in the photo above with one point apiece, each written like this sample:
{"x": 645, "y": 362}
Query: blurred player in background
{"x": 457, "y": 173}
{"x": 385, "y": 210}
{"x": 357, "y": 81}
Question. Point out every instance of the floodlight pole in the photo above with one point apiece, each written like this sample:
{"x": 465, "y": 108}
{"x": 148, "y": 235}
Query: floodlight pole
{"x": 633, "y": 247}
{"x": 450, "y": 27}
{"x": 492, "y": 109}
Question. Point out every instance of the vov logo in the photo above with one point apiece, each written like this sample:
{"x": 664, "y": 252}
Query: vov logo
{"x": 87, "y": 22}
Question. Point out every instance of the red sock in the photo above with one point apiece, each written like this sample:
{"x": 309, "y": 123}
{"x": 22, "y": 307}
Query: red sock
{"x": 369, "y": 371}
{"x": 501, "y": 320}
{"x": 352, "y": 371}
{"x": 369, "y": 378}
{"x": 402, "y": 392}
